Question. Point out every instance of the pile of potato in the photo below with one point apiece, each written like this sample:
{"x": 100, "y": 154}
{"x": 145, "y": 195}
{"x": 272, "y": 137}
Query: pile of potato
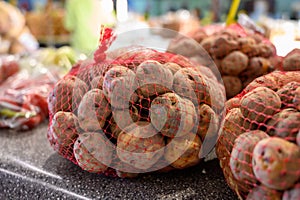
{"x": 240, "y": 58}
{"x": 142, "y": 111}
{"x": 259, "y": 141}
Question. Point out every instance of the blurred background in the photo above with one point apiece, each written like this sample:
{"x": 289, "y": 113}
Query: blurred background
{"x": 76, "y": 23}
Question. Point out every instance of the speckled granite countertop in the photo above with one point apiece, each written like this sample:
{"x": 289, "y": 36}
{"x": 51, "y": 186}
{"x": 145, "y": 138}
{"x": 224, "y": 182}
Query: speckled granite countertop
{"x": 30, "y": 169}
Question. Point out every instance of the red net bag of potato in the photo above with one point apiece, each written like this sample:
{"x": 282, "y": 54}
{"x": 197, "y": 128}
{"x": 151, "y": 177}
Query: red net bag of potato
{"x": 135, "y": 110}
{"x": 258, "y": 145}
{"x": 239, "y": 54}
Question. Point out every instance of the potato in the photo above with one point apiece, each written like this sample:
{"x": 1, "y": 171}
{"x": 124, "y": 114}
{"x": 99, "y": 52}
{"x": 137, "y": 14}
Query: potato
{"x": 274, "y": 80}
{"x": 190, "y": 84}
{"x": 291, "y": 62}
{"x": 293, "y": 193}
{"x": 287, "y": 93}
{"x": 232, "y": 103}
{"x": 153, "y": 78}
{"x": 276, "y": 163}
{"x": 234, "y": 63}
{"x": 208, "y": 125}
{"x": 66, "y": 95}
{"x": 64, "y": 130}
{"x": 215, "y": 95}
{"x": 258, "y": 66}
{"x": 140, "y": 145}
{"x": 119, "y": 86}
{"x": 260, "y": 104}
{"x": 285, "y": 124}
{"x": 93, "y": 152}
{"x": 183, "y": 152}
{"x": 241, "y": 155}
{"x": 296, "y": 100}
{"x": 266, "y": 50}
{"x": 264, "y": 193}
{"x": 97, "y": 82}
{"x": 207, "y": 43}
{"x": 246, "y": 44}
{"x": 233, "y": 85}
{"x": 172, "y": 115}
{"x": 222, "y": 46}
{"x": 93, "y": 110}
{"x": 231, "y": 128}
{"x": 173, "y": 67}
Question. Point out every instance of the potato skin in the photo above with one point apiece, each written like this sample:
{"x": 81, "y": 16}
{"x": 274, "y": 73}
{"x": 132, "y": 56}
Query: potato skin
{"x": 287, "y": 94}
{"x": 276, "y": 163}
{"x": 66, "y": 95}
{"x": 285, "y": 124}
{"x": 233, "y": 85}
{"x": 292, "y": 62}
{"x": 234, "y": 63}
{"x": 92, "y": 152}
{"x": 264, "y": 193}
{"x": 241, "y": 155}
{"x": 183, "y": 152}
{"x": 296, "y": 100}
{"x": 293, "y": 193}
{"x": 260, "y": 104}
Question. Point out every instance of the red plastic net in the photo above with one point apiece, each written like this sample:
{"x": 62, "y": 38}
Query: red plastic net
{"x": 135, "y": 110}
{"x": 259, "y": 141}
{"x": 240, "y": 55}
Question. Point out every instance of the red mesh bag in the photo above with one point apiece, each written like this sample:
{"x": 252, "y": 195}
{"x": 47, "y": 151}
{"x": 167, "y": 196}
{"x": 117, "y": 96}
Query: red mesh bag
{"x": 239, "y": 54}
{"x": 135, "y": 110}
{"x": 258, "y": 145}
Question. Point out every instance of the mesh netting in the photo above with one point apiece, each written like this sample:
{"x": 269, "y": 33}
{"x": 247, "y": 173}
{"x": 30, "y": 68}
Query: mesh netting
{"x": 258, "y": 144}
{"x": 135, "y": 110}
{"x": 240, "y": 55}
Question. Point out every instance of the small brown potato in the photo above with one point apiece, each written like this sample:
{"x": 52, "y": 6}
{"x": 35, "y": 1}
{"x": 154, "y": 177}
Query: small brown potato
{"x": 232, "y": 128}
{"x": 93, "y": 110}
{"x": 233, "y": 85}
{"x": 207, "y": 43}
{"x": 66, "y": 95}
{"x": 285, "y": 124}
{"x": 215, "y": 95}
{"x": 183, "y": 152}
{"x": 64, "y": 130}
{"x": 260, "y": 104}
{"x": 208, "y": 125}
{"x": 140, "y": 145}
{"x": 246, "y": 44}
{"x": 172, "y": 115}
{"x": 276, "y": 163}
{"x": 222, "y": 46}
{"x": 258, "y": 66}
{"x": 293, "y": 193}
{"x": 184, "y": 46}
{"x": 265, "y": 50}
{"x": 119, "y": 86}
{"x": 296, "y": 100}
{"x": 97, "y": 82}
{"x": 264, "y": 193}
{"x": 93, "y": 152}
{"x": 234, "y": 63}
{"x": 292, "y": 62}
{"x": 232, "y": 103}
{"x": 173, "y": 67}
{"x": 241, "y": 155}
{"x": 190, "y": 84}
{"x": 287, "y": 93}
{"x": 153, "y": 78}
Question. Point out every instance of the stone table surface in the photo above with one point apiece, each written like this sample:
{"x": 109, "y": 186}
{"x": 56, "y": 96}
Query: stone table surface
{"x": 30, "y": 169}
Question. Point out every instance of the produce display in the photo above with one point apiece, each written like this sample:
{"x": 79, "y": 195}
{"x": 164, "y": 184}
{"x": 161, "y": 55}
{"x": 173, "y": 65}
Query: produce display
{"x": 258, "y": 145}
{"x": 240, "y": 56}
{"x": 135, "y": 110}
